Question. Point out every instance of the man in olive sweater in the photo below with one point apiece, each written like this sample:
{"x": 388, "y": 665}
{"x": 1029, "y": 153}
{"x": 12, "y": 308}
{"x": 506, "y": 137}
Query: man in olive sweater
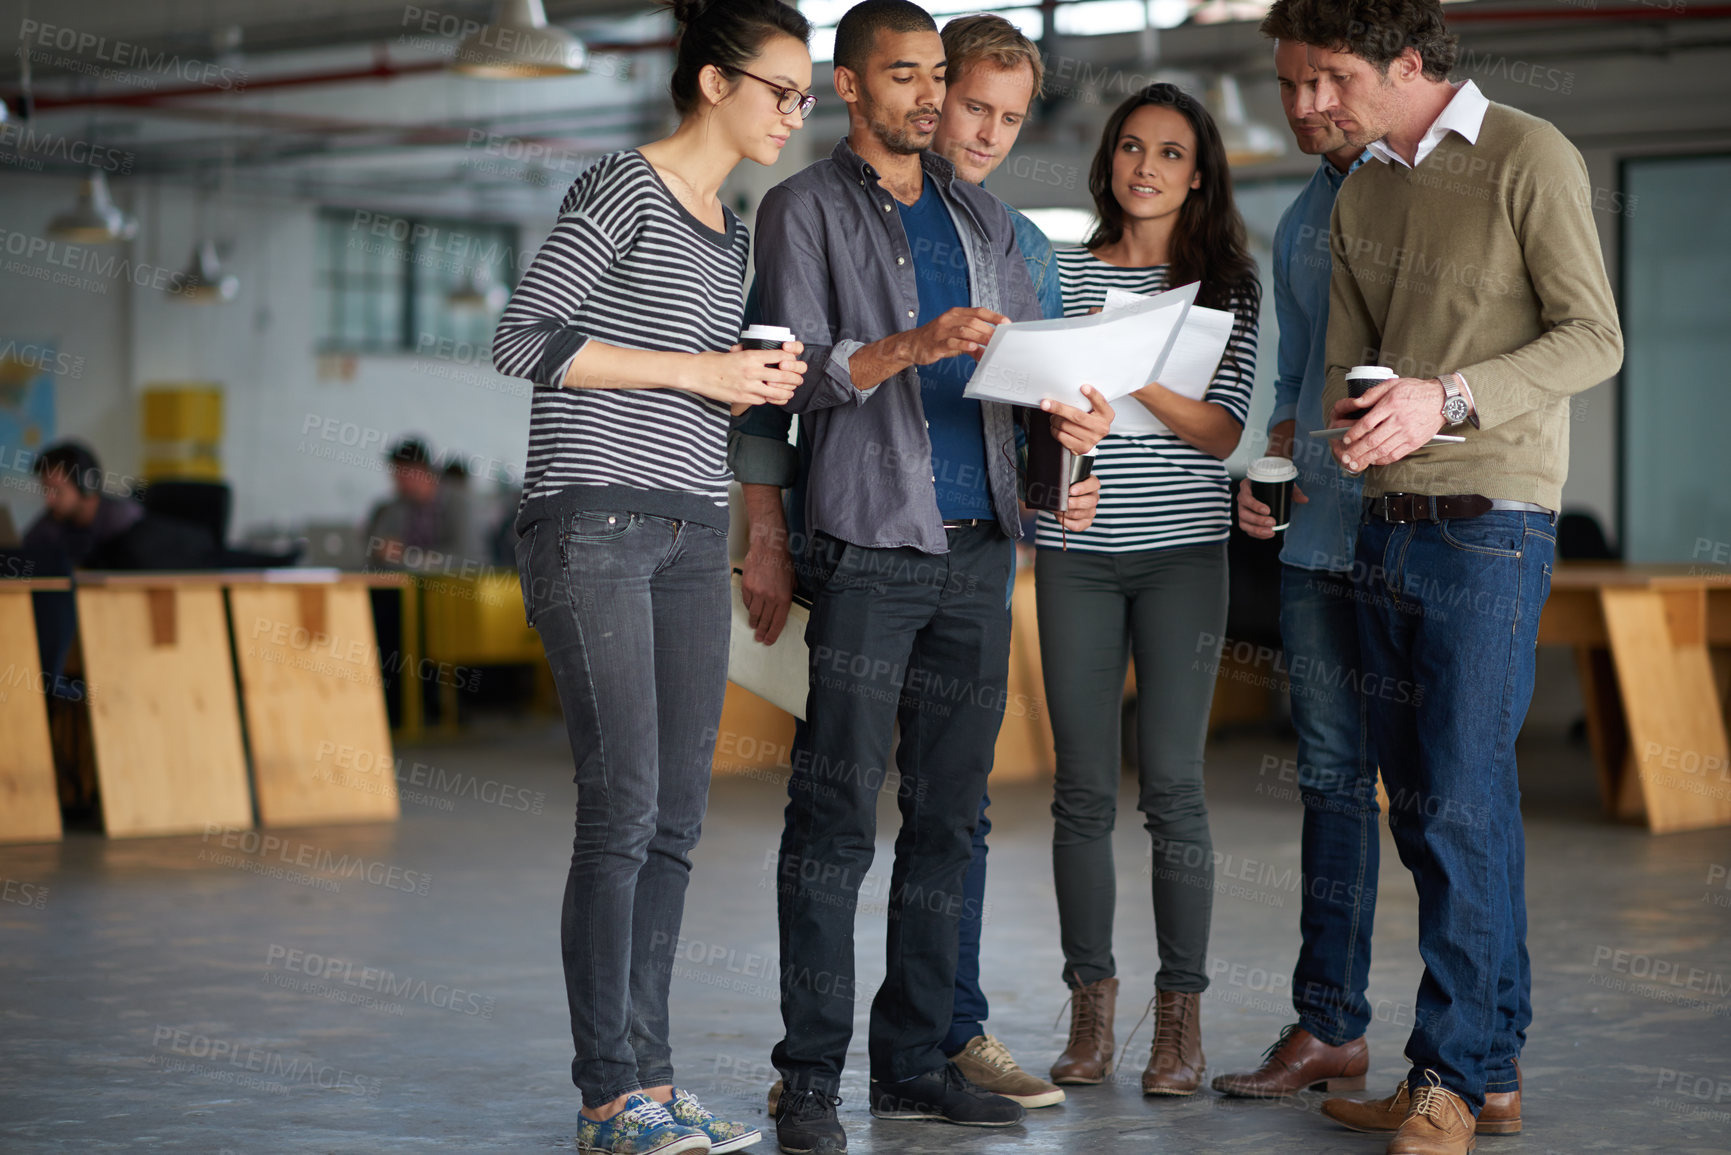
{"x": 1466, "y": 260}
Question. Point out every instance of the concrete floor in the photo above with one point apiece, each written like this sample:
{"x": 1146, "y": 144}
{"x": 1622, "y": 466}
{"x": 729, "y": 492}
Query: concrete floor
{"x": 180, "y": 994}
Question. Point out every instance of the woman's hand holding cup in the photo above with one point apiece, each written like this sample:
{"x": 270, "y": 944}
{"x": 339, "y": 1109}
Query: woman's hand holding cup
{"x": 746, "y": 377}
{"x": 1255, "y": 517}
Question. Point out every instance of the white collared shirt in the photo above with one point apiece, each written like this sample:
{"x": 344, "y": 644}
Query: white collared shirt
{"x": 1464, "y": 113}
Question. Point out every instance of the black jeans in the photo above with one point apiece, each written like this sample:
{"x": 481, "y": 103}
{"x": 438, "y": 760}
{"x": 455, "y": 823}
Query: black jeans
{"x": 633, "y": 613}
{"x": 896, "y": 635}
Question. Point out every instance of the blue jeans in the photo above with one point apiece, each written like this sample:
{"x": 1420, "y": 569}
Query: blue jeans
{"x": 1337, "y": 782}
{"x": 1449, "y": 622}
{"x": 632, "y": 610}
{"x": 968, "y": 1015}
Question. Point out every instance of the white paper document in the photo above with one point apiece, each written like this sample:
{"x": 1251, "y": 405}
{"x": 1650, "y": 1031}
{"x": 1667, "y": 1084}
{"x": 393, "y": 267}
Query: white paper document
{"x": 1116, "y": 351}
{"x": 1189, "y": 366}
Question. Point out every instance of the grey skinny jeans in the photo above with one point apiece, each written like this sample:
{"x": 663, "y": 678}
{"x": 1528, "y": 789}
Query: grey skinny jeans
{"x": 1096, "y": 611}
{"x": 632, "y": 611}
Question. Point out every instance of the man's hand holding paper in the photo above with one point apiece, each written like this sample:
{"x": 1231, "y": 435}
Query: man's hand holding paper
{"x": 1033, "y": 361}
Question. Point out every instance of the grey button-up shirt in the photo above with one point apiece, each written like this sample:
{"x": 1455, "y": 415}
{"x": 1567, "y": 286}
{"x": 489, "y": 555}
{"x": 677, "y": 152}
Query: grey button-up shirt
{"x": 834, "y": 265}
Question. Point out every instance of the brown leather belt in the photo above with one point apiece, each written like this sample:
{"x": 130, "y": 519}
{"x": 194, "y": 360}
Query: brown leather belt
{"x": 1405, "y": 507}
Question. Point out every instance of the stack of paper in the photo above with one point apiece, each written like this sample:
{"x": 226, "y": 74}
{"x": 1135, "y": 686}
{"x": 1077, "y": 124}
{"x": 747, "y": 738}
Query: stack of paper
{"x": 1189, "y": 366}
{"x": 1132, "y": 341}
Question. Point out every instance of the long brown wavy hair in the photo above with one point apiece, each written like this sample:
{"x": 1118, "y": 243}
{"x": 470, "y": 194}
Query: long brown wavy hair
{"x": 1208, "y": 244}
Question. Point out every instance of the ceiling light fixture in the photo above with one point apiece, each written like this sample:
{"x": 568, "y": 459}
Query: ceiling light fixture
{"x": 1247, "y": 141}
{"x": 95, "y": 219}
{"x": 519, "y": 44}
{"x": 204, "y": 282}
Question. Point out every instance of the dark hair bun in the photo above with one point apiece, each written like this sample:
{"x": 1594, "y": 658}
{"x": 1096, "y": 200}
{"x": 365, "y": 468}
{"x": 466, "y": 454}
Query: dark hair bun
{"x": 687, "y": 11}
{"x": 733, "y": 33}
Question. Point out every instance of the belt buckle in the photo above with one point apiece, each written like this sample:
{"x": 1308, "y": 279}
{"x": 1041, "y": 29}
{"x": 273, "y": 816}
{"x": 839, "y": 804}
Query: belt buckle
{"x": 1387, "y": 515}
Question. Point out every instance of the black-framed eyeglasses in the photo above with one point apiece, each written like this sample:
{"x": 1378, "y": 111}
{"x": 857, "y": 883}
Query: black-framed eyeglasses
{"x": 786, "y": 99}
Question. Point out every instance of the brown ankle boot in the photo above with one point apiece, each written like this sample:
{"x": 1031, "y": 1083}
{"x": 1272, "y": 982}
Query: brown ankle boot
{"x": 1175, "y": 1062}
{"x": 1087, "y": 1057}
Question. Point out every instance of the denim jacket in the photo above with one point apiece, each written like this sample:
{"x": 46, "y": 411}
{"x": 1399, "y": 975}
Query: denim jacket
{"x": 834, "y": 265}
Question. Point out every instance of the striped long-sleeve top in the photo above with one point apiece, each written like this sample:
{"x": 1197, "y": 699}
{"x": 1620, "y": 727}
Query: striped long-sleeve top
{"x": 629, "y": 266}
{"x": 1157, "y": 491}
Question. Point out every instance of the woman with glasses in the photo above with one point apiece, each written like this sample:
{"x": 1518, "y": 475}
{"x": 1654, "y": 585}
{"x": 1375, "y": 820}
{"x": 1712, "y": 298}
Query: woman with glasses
{"x": 627, "y": 322}
{"x": 1147, "y": 579}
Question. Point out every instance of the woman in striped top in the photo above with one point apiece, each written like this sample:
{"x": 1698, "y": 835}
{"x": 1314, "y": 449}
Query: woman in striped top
{"x": 1148, "y": 579}
{"x": 627, "y": 322}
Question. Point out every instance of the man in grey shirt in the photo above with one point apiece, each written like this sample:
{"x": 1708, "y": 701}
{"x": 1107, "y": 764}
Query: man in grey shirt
{"x": 893, "y": 272}
{"x": 415, "y": 529}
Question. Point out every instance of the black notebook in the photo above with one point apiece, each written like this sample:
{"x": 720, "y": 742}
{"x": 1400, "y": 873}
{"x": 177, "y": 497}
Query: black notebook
{"x": 1049, "y": 470}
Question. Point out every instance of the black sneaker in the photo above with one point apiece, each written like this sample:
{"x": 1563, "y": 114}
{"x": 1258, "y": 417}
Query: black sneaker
{"x": 944, "y": 1094}
{"x": 805, "y": 1123}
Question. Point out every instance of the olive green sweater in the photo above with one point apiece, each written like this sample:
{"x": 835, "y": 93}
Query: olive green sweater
{"x": 1483, "y": 260}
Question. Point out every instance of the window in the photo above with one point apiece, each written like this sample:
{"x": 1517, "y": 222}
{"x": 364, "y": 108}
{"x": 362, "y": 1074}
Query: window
{"x": 1676, "y": 248}
{"x": 393, "y": 284}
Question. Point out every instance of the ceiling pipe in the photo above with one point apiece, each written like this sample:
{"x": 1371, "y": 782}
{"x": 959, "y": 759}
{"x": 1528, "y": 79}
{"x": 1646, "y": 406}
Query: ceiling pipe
{"x": 382, "y": 68}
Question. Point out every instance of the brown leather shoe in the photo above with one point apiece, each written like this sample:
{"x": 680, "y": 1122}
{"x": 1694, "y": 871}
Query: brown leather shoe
{"x": 1175, "y": 1061}
{"x": 1087, "y": 1057}
{"x": 1437, "y": 1123}
{"x": 1502, "y": 1110}
{"x": 1299, "y": 1061}
{"x": 1501, "y": 1114}
{"x": 1385, "y": 1114}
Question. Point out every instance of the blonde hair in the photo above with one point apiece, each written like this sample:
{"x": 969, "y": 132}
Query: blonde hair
{"x": 986, "y": 36}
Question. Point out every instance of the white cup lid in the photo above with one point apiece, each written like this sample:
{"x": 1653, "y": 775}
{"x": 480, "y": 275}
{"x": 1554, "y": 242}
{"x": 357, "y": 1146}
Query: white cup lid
{"x": 766, "y": 333}
{"x": 1369, "y": 373}
{"x": 1273, "y": 469}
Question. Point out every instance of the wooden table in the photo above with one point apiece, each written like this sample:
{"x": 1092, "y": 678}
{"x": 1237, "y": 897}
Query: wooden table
{"x": 29, "y": 798}
{"x": 170, "y": 737}
{"x": 164, "y": 719}
{"x": 1653, "y": 647}
{"x": 313, "y": 695}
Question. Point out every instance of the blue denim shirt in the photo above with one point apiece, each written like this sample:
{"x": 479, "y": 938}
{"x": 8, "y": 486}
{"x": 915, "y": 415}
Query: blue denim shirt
{"x": 1325, "y": 529}
{"x": 834, "y": 265}
{"x": 1042, "y": 264}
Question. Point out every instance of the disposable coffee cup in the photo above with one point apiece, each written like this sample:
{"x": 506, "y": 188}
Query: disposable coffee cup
{"x": 1360, "y": 379}
{"x": 1271, "y": 481}
{"x": 765, "y": 337}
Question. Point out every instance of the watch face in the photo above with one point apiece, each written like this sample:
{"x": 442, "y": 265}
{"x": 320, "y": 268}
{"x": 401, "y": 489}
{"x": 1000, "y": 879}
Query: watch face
{"x": 1455, "y": 410}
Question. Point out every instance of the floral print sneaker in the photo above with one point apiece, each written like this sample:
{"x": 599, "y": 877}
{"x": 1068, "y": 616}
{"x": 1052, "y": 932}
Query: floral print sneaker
{"x": 723, "y": 1136}
{"x": 643, "y": 1128}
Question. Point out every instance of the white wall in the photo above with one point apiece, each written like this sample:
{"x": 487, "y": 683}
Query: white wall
{"x": 304, "y": 436}
{"x": 79, "y": 318}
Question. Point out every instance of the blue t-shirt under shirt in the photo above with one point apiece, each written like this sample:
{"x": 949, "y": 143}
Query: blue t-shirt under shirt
{"x": 953, "y": 421}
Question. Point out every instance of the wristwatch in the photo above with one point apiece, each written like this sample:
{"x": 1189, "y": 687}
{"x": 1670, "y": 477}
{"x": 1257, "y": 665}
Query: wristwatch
{"x": 1455, "y": 406}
